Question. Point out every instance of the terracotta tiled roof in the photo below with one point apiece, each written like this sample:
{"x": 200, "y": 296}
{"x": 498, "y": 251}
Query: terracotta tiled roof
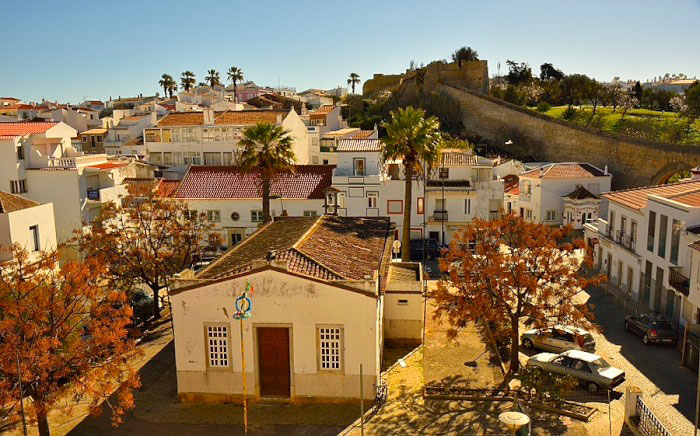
{"x": 11, "y": 130}
{"x": 327, "y": 247}
{"x": 691, "y": 199}
{"x": 94, "y": 132}
{"x": 363, "y": 134}
{"x": 106, "y": 166}
{"x": 9, "y": 99}
{"x": 359, "y": 145}
{"x": 568, "y": 170}
{"x": 452, "y": 157}
{"x": 340, "y": 132}
{"x": 308, "y": 181}
{"x": 12, "y": 203}
{"x": 511, "y": 184}
{"x": 322, "y": 112}
{"x": 580, "y": 193}
{"x": 167, "y": 188}
{"x": 636, "y": 198}
{"x": 234, "y": 118}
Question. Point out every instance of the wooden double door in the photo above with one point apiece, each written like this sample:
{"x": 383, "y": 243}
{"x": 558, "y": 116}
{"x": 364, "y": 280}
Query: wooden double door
{"x": 273, "y": 361}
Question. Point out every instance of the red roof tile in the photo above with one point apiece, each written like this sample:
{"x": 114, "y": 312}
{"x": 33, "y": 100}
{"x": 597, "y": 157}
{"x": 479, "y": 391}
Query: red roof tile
{"x": 234, "y": 118}
{"x": 636, "y": 198}
{"x": 12, "y": 203}
{"x": 454, "y": 157}
{"x": 363, "y": 134}
{"x": 328, "y": 247}
{"x": 106, "y": 166}
{"x": 569, "y": 170}
{"x": 167, "y": 188}
{"x": 691, "y": 199}
{"x": 359, "y": 145}
{"x": 11, "y": 130}
{"x": 200, "y": 182}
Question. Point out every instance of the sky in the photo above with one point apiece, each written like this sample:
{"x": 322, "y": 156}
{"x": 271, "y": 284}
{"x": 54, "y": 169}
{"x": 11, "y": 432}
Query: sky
{"x": 72, "y": 50}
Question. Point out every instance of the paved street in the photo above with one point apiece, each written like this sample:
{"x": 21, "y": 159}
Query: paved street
{"x": 668, "y": 388}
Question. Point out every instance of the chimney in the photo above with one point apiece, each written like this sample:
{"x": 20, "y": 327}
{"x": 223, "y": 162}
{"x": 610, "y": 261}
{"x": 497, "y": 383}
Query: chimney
{"x": 208, "y": 117}
{"x": 695, "y": 173}
{"x": 606, "y": 170}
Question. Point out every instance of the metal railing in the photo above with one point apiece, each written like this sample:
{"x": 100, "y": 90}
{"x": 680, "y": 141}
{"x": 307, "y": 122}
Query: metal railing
{"x": 648, "y": 424}
{"x": 625, "y": 241}
{"x": 679, "y": 282}
{"x": 440, "y": 215}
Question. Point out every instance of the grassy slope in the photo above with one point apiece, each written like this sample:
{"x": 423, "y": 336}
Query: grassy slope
{"x": 612, "y": 122}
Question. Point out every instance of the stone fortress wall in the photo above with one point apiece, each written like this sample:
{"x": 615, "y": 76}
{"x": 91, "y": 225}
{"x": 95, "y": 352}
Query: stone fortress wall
{"x": 536, "y": 137}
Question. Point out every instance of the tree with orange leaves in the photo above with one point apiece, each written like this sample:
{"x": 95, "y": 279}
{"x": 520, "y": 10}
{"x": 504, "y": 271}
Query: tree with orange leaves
{"x": 63, "y": 335}
{"x": 507, "y": 271}
{"x": 147, "y": 239}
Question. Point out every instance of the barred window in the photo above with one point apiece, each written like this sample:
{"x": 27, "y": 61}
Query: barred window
{"x": 330, "y": 348}
{"x": 217, "y": 337}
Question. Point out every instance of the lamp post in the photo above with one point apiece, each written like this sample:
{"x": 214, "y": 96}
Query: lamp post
{"x": 244, "y": 307}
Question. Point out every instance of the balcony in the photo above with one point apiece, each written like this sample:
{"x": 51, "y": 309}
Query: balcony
{"x": 525, "y": 196}
{"x": 440, "y": 215}
{"x": 678, "y": 281}
{"x": 93, "y": 194}
{"x": 628, "y": 242}
{"x": 449, "y": 185}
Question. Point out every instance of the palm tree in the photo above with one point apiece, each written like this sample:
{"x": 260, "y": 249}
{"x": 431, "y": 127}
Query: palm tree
{"x": 267, "y": 149}
{"x": 235, "y": 75}
{"x": 213, "y": 77}
{"x": 412, "y": 137}
{"x": 353, "y": 80}
{"x": 187, "y": 80}
{"x": 166, "y": 81}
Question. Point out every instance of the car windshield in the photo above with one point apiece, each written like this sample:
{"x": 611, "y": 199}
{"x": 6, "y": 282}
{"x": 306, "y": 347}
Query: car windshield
{"x": 600, "y": 363}
{"x": 662, "y": 325}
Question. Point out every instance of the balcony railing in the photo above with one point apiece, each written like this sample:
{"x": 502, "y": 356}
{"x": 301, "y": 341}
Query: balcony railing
{"x": 440, "y": 215}
{"x": 626, "y": 241}
{"x": 678, "y": 281}
{"x": 524, "y": 196}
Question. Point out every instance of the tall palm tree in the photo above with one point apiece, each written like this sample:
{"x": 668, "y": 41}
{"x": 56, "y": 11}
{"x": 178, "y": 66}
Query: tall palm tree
{"x": 213, "y": 77}
{"x": 165, "y": 82}
{"x": 235, "y": 75}
{"x": 267, "y": 149}
{"x": 412, "y": 137}
{"x": 187, "y": 80}
{"x": 353, "y": 80}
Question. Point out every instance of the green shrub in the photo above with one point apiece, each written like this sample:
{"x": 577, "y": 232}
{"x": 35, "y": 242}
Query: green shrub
{"x": 543, "y": 107}
{"x": 569, "y": 113}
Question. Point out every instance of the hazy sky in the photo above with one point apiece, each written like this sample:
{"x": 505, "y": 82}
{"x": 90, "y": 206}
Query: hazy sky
{"x": 67, "y": 50}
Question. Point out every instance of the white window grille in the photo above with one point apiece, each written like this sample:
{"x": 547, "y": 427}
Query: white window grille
{"x": 217, "y": 337}
{"x": 330, "y": 347}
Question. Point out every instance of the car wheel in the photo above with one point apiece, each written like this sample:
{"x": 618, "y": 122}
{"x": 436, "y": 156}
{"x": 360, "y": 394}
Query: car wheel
{"x": 592, "y": 387}
{"x": 627, "y": 327}
{"x": 527, "y": 343}
{"x": 645, "y": 339}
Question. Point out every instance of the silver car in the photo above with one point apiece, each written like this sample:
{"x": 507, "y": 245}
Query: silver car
{"x": 589, "y": 369}
{"x": 558, "y": 339}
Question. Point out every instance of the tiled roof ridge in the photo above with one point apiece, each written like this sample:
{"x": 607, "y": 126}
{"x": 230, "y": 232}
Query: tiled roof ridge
{"x": 679, "y": 194}
{"x": 308, "y": 233}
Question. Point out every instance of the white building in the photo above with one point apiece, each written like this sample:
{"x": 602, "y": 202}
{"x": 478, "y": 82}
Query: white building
{"x": 120, "y": 139}
{"x": 37, "y": 161}
{"x": 542, "y": 190}
{"x": 461, "y": 188}
{"x": 643, "y": 246}
{"x": 211, "y": 138}
{"x": 325, "y": 296}
{"x": 232, "y": 198}
{"x": 26, "y": 223}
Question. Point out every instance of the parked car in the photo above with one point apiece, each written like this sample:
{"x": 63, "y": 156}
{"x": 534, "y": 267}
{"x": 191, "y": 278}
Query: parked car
{"x": 142, "y": 306}
{"x": 558, "y": 339}
{"x": 432, "y": 250}
{"x": 589, "y": 369}
{"x": 652, "y": 328}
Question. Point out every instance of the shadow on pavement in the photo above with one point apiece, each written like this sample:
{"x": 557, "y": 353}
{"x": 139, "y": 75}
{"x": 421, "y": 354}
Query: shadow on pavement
{"x": 660, "y": 364}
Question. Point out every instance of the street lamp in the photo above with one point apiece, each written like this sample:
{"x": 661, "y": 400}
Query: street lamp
{"x": 514, "y": 420}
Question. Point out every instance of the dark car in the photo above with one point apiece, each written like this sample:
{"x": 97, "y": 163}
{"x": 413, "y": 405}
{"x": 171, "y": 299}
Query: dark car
{"x": 142, "y": 306}
{"x": 432, "y": 250}
{"x": 652, "y": 328}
